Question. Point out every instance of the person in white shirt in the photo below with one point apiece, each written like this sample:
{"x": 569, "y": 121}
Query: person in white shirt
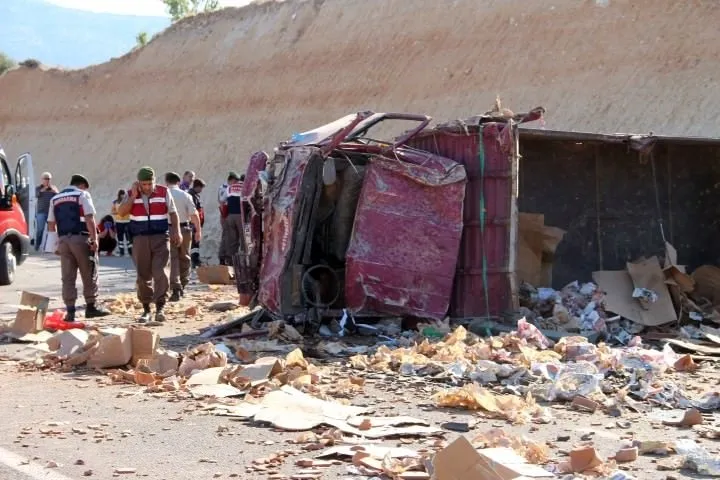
{"x": 189, "y": 221}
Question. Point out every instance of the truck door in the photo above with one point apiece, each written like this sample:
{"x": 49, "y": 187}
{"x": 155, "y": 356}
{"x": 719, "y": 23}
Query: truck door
{"x": 25, "y": 187}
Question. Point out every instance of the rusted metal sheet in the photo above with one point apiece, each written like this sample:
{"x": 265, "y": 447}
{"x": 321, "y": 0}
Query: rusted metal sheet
{"x": 406, "y": 237}
{"x": 278, "y": 221}
{"x": 483, "y": 278}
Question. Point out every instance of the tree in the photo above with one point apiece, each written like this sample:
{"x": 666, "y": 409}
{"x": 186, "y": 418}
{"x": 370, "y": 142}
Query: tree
{"x": 6, "y": 63}
{"x": 141, "y": 39}
{"x": 184, "y": 8}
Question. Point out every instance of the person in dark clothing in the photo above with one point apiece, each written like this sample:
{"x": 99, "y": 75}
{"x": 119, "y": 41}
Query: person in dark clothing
{"x": 107, "y": 235}
{"x": 197, "y": 188}
{"x": 44, "y": 193}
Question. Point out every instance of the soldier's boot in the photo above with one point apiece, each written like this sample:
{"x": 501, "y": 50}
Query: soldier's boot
{"x": 160, "y": 313}
{"x": 146, "y": 315}
{"x": 175, "y": 297}
{"x": 93, "y": 311}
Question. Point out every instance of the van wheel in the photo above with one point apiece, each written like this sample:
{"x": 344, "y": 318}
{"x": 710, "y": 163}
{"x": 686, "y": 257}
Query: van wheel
{"x": 8, "y": 262}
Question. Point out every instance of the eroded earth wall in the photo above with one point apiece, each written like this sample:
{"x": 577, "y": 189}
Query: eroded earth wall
{"x": 211, "y": 90}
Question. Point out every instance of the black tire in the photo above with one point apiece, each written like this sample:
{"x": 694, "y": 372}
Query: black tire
{"x": 8, "y": 264}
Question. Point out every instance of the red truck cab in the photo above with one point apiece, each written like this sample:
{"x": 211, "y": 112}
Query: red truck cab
{"x": 17, "y": 202}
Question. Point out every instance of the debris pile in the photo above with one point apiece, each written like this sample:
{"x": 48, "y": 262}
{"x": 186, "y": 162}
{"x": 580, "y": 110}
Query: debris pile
{"x": 574, "y": 309}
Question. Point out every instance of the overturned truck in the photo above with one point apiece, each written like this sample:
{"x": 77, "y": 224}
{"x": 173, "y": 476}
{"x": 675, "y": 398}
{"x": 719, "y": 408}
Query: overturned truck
{"x": 346, "y": 221}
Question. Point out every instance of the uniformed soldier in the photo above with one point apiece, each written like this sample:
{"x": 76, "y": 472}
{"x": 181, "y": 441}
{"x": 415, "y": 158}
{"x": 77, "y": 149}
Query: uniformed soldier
{"x": 72, "y": 216}
{"x": 153, "y": 218}
{"x": 195, "y": 191}
{"x": 233, "y": 239}
{"x": 189, "y": 222}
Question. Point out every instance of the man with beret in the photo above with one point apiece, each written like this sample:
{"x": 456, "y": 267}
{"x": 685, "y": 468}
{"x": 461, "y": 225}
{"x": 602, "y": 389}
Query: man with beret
{"x": 189, "y": 222}
{"x": 153, "y": 220}
{"x": 72, "y": 216}
{"x": 233, "y": 234}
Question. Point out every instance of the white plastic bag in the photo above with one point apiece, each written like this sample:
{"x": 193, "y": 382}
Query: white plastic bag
{"x": 51, "y": 242}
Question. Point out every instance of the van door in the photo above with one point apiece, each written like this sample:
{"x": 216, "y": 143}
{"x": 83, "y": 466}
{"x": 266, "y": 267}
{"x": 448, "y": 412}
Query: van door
{"x": 25, "y": 187}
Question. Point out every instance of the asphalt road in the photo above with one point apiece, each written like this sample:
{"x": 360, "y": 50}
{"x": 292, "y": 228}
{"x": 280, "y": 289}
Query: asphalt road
{"x": 41, "y": 274}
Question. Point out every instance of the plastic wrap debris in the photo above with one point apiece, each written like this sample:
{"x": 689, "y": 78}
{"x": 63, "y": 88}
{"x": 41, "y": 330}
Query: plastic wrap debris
{"x": 532, "y": 335}
{"x": 574, "y": 309}
{"x": 645, "y": 295}
{"x": 569, "y": 380}
{"x": 697, "y": 458}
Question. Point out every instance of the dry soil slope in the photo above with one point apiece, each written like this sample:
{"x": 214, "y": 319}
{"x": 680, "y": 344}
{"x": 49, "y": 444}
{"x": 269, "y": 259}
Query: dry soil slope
{"x": 213, "y": 89}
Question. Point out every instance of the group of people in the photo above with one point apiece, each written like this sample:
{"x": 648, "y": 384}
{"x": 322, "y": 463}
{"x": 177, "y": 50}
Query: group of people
{"x": 161, "y": 225}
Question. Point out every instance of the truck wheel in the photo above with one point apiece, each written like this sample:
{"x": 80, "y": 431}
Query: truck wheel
{"x": 8, "y": 262}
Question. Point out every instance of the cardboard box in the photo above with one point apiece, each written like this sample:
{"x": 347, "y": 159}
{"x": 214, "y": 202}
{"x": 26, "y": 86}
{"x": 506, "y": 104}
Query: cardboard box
{"x": 144, "y": 344}
{"x": 30, "y": 317}
{"x": 216, "y": 275}
{"x": 114, "y": 349}
{"x": 163, "y": 363}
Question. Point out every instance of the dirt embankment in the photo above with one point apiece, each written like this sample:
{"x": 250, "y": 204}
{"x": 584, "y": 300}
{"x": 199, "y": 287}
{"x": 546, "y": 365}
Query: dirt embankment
{"x": 213, "y": 89}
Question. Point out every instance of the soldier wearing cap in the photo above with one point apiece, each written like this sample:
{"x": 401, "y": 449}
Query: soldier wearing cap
{"x": 233, "y": 235}
{"x": 72, "y": 216}
{"x": 153, "y": 221}
{"x": 189, "y": 222}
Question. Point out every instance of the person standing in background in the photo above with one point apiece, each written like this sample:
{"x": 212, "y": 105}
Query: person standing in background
{"x": 224, "y": 254}
{"x": 44, "y": 193}
{"x": 233, "y": 239}
{"x": 195, "y": 191}
{"x": 189, "y": 222}
{"x": 122, "y": 225}
{"x": 187, "y": 180}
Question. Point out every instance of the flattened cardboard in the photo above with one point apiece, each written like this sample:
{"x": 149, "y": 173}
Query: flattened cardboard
{"x": 258, "y": 373}
{"x": 694, "y": 346}
{"x": 41, "y": 302}
{"x": 215, "y": 275}
{"x": 114, "y": 349}
{"x": 647, "y": 273}
{"x": 219, "y": 390}
{"x": 618, "y": 286}
{"x": 209, "y": 376}
{"x": 460, "y": 461}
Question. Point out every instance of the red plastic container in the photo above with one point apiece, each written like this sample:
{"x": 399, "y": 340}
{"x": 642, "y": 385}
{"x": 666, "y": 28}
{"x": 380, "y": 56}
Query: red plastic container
{"x": 56, "y": 321}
